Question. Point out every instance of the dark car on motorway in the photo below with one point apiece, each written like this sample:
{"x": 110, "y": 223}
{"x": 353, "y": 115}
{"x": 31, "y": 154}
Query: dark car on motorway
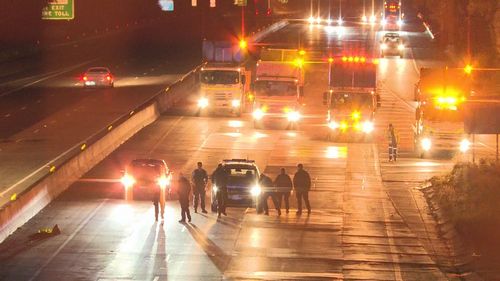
{"x": 243, "y": 189}
{"x": 142, "y": 177}
{"x": 98, "y": 77}
{"x": 392, "y": 45}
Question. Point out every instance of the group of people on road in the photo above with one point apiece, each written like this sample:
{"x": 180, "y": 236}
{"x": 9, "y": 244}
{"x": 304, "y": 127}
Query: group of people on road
{"x": 281, "y": 188}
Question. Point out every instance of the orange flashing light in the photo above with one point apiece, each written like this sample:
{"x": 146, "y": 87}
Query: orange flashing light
{"x": 375, "y": 61}
{"x": 344, "y": 59}
{"x": 243, "y": 44}
{"x": 330, "y": 60}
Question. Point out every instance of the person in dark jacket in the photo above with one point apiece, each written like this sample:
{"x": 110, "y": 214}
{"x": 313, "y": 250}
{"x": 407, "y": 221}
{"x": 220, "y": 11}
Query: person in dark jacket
{"x": 219, "y": 180}
{"x": 200, "y": 180}
{"x": 183, "y": 190}
{"x": 302, "y": 185}
{"x": 156, "y": 198}
{"x": 283, "y": 184}
{"x": 267, "y": 187}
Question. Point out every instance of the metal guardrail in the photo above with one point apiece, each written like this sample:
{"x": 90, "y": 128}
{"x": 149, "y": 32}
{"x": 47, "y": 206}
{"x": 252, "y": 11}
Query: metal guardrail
{"x": 164, "y": 99}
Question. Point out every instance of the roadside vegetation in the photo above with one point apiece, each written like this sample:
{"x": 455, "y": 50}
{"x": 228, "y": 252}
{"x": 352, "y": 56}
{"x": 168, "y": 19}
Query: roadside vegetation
{"x": 470, "y": 199}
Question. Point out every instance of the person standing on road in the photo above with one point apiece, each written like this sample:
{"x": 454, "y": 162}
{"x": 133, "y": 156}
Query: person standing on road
{"x": 283, "y": 184}
{"x": 302, "y": 185}
{"x": 157, "y": 201}
{"x": 183, "y": 190}
{"x": 393, "y": 139}
{"x": 266, "y": 184}
{"x": 200, "y": 180}
{"x": 219, "y": 181}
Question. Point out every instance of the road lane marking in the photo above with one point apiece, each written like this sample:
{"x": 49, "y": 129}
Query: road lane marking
{"x": 390, "y": 235}
{"x": 162, "y": 138}
{"x": 80, "y": 226}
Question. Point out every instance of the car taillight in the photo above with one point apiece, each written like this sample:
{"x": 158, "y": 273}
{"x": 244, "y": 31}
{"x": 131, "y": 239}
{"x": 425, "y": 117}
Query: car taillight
{"x": 85, "y": 78}
{"x": 108, "y": 77}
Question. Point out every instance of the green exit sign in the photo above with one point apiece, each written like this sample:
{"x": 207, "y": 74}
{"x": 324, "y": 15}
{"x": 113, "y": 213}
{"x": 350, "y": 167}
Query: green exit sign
{"x": 59, "y": 10}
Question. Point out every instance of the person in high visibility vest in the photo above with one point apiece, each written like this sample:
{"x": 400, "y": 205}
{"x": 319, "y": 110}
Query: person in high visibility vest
{"x": 393, "y": 138}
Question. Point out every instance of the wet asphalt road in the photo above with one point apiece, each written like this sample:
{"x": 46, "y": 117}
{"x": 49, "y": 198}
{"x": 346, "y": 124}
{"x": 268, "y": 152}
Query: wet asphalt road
{"x": 369, "y": 220}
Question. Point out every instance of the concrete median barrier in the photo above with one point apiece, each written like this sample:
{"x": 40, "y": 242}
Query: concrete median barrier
{"x": 34, "y": 192}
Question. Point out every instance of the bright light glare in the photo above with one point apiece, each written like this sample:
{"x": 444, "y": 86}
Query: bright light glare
{"x": 364, "y": 18}
{"x": 215, "y": 189}
{"x": 329, "y": 29}
{"x": 163, "y": 181}
{"x": 373, "y": 19}
{"x": 235, "y": 103}
{"x": 293, "y": 116}
{"x": 426, "y": 144}
{"x": 368, "y": 127}
{"x": 256, "y": 190}
{"x": 318, "y": 20}
{"x": 383, "y": 46}
{"x": 383, "y": 22}
{"x": 202, "y": 102}
{"x": 258, "y": 135}
{"x": 235, "y": 124}
{"x": 127, "y": 180}
{"x": 311, "y": 20}
{"x": 336, "y": 152}
{"x": 400, "y": 23}
{"x": 333, "y": 125}
{"x": 329, "y": 21}
{"x": 340, "y": 21}
{"x": 258, "y": 114}
{"x": 464, "y": 145}
{"x": 401, "y": 47}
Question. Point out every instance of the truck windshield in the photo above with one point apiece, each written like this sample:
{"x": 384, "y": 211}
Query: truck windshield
{"x": 348, "y": 100}
{"x": 220, "y": 77}
{"x": 275, "y": 88}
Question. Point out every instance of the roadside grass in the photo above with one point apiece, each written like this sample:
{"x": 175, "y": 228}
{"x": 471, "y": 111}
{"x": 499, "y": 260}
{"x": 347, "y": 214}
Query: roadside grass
{"x": 470, "y": 198}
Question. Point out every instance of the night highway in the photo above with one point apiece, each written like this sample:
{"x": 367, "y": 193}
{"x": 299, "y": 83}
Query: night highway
{"x": 65, "y": 149}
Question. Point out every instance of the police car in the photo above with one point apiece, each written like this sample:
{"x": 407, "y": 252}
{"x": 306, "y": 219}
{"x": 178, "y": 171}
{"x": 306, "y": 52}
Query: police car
{"x": 392, "y": 45}
{"x": 243, "y": 188}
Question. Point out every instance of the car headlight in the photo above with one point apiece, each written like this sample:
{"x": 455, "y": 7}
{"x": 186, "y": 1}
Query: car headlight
{"x": 383, "y": 46}
{"x": 400, "y": 22}
{"x": 235, "y": 103}
{"x": 383, "y": 22}
{"x": 203, "y": 102}
{"x": 401, "y": 47}
{"x": 258, "y": 114}
{"x": 163, "y": 182}
{"x": 368, "y": 127}
{"x": 426, "y": 144}
{"x": 127, "y": 180}
{"x": 256, "y": 190}
{"x": 464, "y": 145}
{"x": 293, "y": 116}
{"x": 333, "y": 125}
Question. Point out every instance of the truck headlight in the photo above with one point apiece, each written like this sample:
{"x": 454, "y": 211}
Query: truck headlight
{"x": 235, "y": 103}
{"x": 368, "y": 127}
{"x": 401, "y": 47}
{"x": 383, "y": 46}
{"x": 426, "y": 144}
{"x": 202, "y": 102}
{"x": 258, "y": 114}
{"x": 464, "y": 145}
{"x": 333, "y": 125}
{"x": 293, "y": 116}
{"x": 255, "y": 191}
{"x": 127, "y": 180}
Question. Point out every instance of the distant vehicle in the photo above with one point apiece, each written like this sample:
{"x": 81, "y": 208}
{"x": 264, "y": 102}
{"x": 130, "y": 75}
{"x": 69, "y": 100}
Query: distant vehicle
{"x": 392, "y": 45}
{"x": 352, "y": 99}
{"x": 278, "y": 87}
{"x": 98, "y": 76}
{"x": 143, "y": 176}
{"x": 439, "y": 117}
{"x": 242, "y": 186}
{"x": 223, "y": 79}
{"x": 392, "y": 17}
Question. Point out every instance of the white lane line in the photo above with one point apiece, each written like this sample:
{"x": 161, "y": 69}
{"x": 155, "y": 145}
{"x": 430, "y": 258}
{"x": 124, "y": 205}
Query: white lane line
{"x": 390, "y": 234}
{"x": 46, "y": 78}
{"x": 82, "y": 224}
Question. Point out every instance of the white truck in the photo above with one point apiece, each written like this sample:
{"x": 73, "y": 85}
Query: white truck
{"x": 278, "y": 87}
{"x": 439, "y": 117}
{"x": 223, "y": 79}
